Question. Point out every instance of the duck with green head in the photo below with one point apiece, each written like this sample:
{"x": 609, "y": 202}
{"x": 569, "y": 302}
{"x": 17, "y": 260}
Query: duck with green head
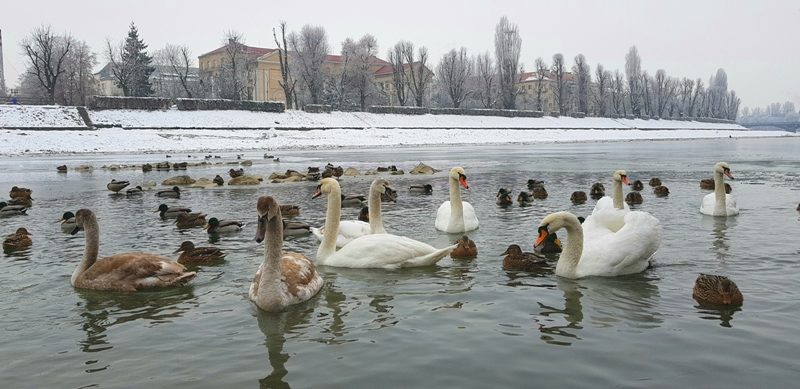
{"x": 217, "y": 226}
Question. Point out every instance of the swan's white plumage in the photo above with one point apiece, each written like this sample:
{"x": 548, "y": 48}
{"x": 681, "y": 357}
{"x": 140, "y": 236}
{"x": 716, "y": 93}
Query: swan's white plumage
{"x": 446, "y": 224}
{"x": 607, "y": 216}
{"x": 626, "y": 251}
{"x": 348, "y": 230}
{"x": 385, "y": 251}
{"x": 710, "y": 202}
{"x": 719, "y": 203}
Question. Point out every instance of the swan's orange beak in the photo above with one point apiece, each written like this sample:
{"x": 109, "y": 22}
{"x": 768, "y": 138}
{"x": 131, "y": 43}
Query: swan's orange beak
{"x": 463, "y": 181}
{"x": 542, "y": 236}
{"x": 625, "y": 180}
{"x": 317, "y": 193}
{"x": 728, "y": 173}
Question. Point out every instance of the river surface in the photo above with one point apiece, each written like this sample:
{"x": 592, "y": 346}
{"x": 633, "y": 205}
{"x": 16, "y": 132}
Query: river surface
{"x": 457, "y": 324}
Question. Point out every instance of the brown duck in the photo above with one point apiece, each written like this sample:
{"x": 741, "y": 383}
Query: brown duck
{"x": 20, "y": 240}
{"x": 191, "y": 255}
{"x": 466, "y": 249}
{"x": 711, "y": 289}
{"x": 186, "y": 220}
{"x": 515, "y": 259}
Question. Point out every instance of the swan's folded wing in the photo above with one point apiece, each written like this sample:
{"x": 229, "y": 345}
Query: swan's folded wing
{"x": 607, "y": 203}
{"x": 707, "y": 206}
{"x": 626, "y": 251}
{"x": 730, "y": 204}
{"x": 133, "y": 266}
{"x": 348, "y": 230}
{"x": 443, "y": 216}
{"x": 386, "y": 251}
{"x": 470, "y": 218}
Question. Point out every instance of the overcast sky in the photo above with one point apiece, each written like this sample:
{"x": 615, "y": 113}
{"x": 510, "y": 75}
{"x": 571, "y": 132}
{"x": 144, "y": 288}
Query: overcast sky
{"x": 756, "y": 42}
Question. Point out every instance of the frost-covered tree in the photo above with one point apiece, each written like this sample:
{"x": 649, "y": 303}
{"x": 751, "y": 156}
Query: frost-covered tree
{"x": 453, "y": 71}
{"x": 180, "y": 61}
{"x": 560, "y": 90}
{"x": 633, "y": 73}
{"x": 46, "y": 53}
{"x": 647, "y": 90}
{"x": 419, "y": 77}
{"x": 618, "y": 93}
{"x": 287, "y": 82}
{"x": 487, "y": 80}
{"x": 360, "y": 58}
{"x": 583, "y": 78}
{"x": 697, "y": 99}
{"x": 685, "y": 91}
{"x": 603, "y": 81}
{"x": 507, "y": 47}
{"x": 663, "y": 91}
{"x": 310, "y": 47}
{"x": 78, "y": 80}
{"x": 541, "y": 78}
{"x": 399, "y": 74}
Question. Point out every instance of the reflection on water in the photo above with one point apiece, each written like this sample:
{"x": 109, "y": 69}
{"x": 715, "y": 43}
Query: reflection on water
{"x": 572, "y": 313}
{"x": 719, "y": 228}
{"x": 723, "y": 314}
{"x": 276, "y": 327}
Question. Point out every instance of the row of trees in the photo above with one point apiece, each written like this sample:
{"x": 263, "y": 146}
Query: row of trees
{"x": 774, "y": 112}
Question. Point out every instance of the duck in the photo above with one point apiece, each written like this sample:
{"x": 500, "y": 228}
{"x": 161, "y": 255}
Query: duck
{"x": 597, "y": 191}
{"x": 708, "y": 184}
{"x": 193, "y": 256}
{"x": 167, "y": 212}
{"x": 719, "y": 203}
{"x": 284, "y": 278}
{"x": 503, "y": 198}
{"x": 516, "y": 260}
{"x": 578, "y": 197}
{"x": 124, "y": 272}
{"x": 67, "y": 221}
{"x": 655, "y": 181}
{"x": 798, "y": 207}
{"x": 633, "y": 198}
{"x": 185, "y": 220}
{"x": 524, "y": 198}
{"x": 551, "y": 245}
{"x": 364, "y": 215}
{"x": 389, "y": 196}
{"x": 23, "y": 201}
{"x": 18, "y": 241}
{"x": 116, "y": 186}
{"x": 626, "y": 251}
{"x": 353, "y": 200}
{"x": 421, "y": 189}
{"x": 218, "y": 180}
{"x": 661, "y": 191}
{"x": 382, "y": 251}
{"x": 135, "y": 191}
{"x": 11, "y": 210}
{"x": 295, "y": 228}
{"x": 352, "y": 229}
{"x": 534, "y": 184}
{"x": 61, "y": 168}
{"x": 216, "y": 226}
{"x": 175, "y": 193}
{"x": 712, "y": 289}
{"x": 289, "y": 210}
{"x": 236, "y": 173}
{"x": 456, "y": 216}
{"x": 637, "y": 185}
{"x": 539, "y": 193}
{"x": 17, "y": 191}
{"x": 465, "y": 249}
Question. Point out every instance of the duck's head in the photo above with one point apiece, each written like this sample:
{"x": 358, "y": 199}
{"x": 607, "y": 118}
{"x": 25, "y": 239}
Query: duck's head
{"x": 23, "y": 231}
{"x": 621, "y": 176}
{"x": 382, "y": 186}
{"x": 213, "y": 222}
{"x": 458, "y": 174}
{"x": 463, "y": 241}
{"x": 176, "y": 189}
{"x": 3, "y": 204}
{"x": 162, "y": 208}
{"x": 268, "y": 210}
{"x": 552, "y": 223}
{"x": 66, "y": 216}
{"x": 723, "y": 168}
{"x": 524, "y": 196}
{"x": 364, "y": 214}
{"x": 185, "y": 246}
{"x": 326, "y": 186}
{"x": 512, "y": 250}
{"x": 727, "y": 289}
{"x": 503, "y": 192}
{"x": 82, "y": 218}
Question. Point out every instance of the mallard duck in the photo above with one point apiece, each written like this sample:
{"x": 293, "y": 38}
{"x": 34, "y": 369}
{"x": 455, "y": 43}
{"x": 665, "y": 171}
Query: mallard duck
{"x": 466, "y": 249}
{"x": 186, "y": 220}
{"x": 633, "y": 198}
{"x": 295, "y": 228}
{"x": 21, "y": 201}
{"x": 661, "y": 191}
{"x": 353, "y": 200}
{"x": 116, "y": 186}
{"x": 67, "y": 222}
{"x": 17, "y": 241}
{"x": 798, "y": 207}
{"x": 175, "y": 193}
{"x": 637, "y": 185}
{"x": 708, "y": 184}
{"x": 711, "y": 289}
{"x": 124, "y": 272}
{"x": 216, "y": 226}
{"x": 524, "y": 198}
{"x": 534, "y": 183}
{"x": 147, "y": 167}
{"x": 289, "y": 210}
{"x": 550, "y": 245}
{"x": 236, "y": 173}
{"x": 503, "y": 198}
{"x": 578, "y": 197}
{"x": 539, "y": 193}
{"x": 421, "y": 189}
{"x": 191, "y": 255}
{"x": 597, "y": 191}
{"x": 17, "y": 191}
{"x": 218, "y": 180}
{"x": 61, "y": 168}
{"x": 390, "y": 195}
{"x": 515, "y": 259}
{"x": 135, "y": 191}
{"x": 364, "y": 215}
{"x": 11, "y": 210}
{"x": 655, "y": 181}
{"x": 167, "y": 212}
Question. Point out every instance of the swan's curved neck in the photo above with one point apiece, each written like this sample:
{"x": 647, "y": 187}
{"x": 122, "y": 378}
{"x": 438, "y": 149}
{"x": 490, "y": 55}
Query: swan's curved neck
{"x": 618, "y": 195}
{"x": 328, "y": 245}
{"x": 571, "y": 255}
{"x": 92, "y": 232}
{"x": 456, "y": 207}
{"x": 269, "y": 283}
{"x": 375, "y": 218}
{"x": 719, "y": 194}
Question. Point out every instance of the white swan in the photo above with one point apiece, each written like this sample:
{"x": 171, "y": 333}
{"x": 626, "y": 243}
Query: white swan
{"x": 456, "y": 216}
{"x": 284, "y": 278}
{"x": 719, "y": 203}
{"x": 610, "y": 211}
{"x": 384, "y": 251}
{"x": 626, "y": 251}
{"x": 351, "y": 229}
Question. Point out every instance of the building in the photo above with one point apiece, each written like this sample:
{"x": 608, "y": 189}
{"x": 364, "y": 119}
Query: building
{"x": 106, "y": 85}
{"x": 163, "y": 80}
{"x": 529, "y": 86}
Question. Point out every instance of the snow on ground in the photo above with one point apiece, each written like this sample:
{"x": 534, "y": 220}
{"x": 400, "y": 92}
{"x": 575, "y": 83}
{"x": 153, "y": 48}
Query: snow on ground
{"x": 304, "y": 120}
{"x": 40, "y": 116}
{"x": 113, "y": 140}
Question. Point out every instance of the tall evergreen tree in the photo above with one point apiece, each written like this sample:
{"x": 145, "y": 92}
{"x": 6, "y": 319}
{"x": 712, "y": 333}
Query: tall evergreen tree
{"x": 137, "y": 61}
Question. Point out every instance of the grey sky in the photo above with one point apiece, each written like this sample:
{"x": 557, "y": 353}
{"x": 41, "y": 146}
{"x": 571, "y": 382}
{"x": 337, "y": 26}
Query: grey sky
{"x": 755, "y": 41}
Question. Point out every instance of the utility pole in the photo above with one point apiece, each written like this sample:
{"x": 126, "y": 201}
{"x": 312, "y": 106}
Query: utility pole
{"x": 2, "y": 77}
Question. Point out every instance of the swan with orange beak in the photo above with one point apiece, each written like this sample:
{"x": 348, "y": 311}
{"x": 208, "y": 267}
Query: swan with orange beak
{"x": 456, "y": 216}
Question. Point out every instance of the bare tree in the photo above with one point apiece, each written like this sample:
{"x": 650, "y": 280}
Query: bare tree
{"x": 733, "y": 105}
{"x": 46, "y": 53}
{"x": 618, "y": 93}
{"x": 234, "y": 75}
{"x": 487, "y": 85}
{"x": 311, "y": 48}
{"x": 646, "y": 93}
{"x": 583, "y": 77}
{"x": 360, "y": 58}
{"x": 633, "y": 72}
{"x": 664, "y": 90}
{"x": 454, "y": 69}
{"x": 603, "y": 81}
{"x": 687, "y": 87}
{"x": 541, "y": 77}
{"x": 559, "y": 93}
{"x": 399, "y": 76}
{"x": 122, "y": 74}
{"x": 507, "y": 47}
{"x": 78, "y": 80}
{"x": 697, "y": 99}
{"x": 420, "y": 76}
{"x": 179, "y": 60}
{"x": 286, "y": 82}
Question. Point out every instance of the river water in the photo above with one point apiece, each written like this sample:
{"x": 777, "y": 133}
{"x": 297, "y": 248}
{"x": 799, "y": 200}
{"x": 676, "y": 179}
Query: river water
{"x": 458, "y": 324}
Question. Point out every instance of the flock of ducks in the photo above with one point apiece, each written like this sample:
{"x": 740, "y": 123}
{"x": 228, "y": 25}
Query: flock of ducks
{"x": 612, "y": 241}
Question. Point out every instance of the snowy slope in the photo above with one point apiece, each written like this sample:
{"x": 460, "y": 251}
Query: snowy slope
{"x": 40, "y": 116}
